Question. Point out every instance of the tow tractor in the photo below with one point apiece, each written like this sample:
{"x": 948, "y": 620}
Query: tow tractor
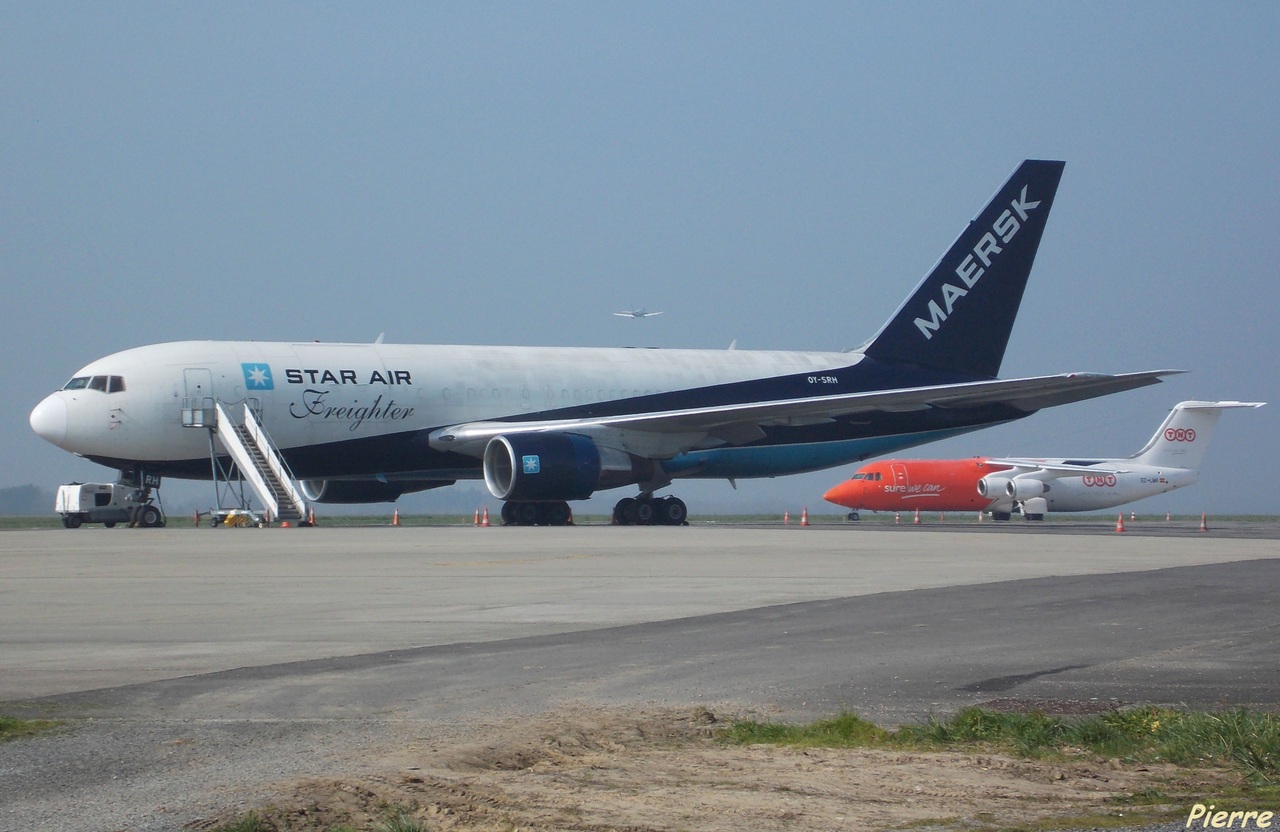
{"x": 108, "y": 503}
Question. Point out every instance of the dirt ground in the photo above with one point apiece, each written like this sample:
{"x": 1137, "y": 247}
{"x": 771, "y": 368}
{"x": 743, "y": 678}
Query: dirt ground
{"x": 597, "y": 769}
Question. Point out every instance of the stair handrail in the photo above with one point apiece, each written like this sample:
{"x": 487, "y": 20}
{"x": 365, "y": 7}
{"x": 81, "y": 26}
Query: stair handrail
{"x": 275, "y": 460}
{"x": 232, "y": 442}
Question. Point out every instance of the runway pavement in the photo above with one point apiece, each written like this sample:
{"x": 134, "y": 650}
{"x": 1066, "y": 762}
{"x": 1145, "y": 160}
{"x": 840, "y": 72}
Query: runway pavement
{"x": 96, "y": 608}
{"x": 221, "y": 657}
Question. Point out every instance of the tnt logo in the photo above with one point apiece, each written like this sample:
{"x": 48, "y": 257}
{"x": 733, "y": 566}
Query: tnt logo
{"x": 1100, "y": 481}
{"x": 1180, "y": 435}
{"x": 257, "y": 377}
{"x": 532, "y": 464}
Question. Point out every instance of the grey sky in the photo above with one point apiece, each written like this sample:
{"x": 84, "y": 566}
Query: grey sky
{"x": 778, "y": 174}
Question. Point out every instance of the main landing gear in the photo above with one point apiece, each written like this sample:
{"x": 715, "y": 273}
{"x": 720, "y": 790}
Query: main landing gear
{"x": 651, "y": 511}
{"x": 523, "y": 513}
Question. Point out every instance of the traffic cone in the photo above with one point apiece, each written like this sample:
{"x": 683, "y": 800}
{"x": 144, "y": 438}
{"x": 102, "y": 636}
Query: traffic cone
{"x": 1120, "y": 522}
{"x": 484, "y": 520}
{"x": 942, "y": 517}
{"x": 786, "y": 518}
{"x": 980, "y": 516}
{"x": 897, "y": 518}
{"x": 395, "y": 516}
{"x": 1133, "y": 515}
{"x": 311, "y": 516}
{"x": 1168, "y": 515}
{"x": 570, "y": 522}
{"x": 804, "y": 516}
{"x": 1204, "y": 522}
{"x": 285, "y": 525}
{"x": 916, "y": 522}
{"x": 476, "y": 521}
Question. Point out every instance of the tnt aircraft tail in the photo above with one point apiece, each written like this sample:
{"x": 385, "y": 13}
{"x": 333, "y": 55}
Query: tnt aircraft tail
{"x": 1183, "y": 438}
{"x": 960, "y": 316}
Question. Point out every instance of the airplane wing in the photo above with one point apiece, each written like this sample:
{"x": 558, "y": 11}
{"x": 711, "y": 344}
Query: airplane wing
{"x": 1059, "y": 469}
{"x": 666, "y": 433}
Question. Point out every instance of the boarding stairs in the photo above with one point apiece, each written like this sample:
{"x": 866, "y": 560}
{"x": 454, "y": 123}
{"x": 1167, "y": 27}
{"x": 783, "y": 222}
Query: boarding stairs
{"x": 260, "y": 463}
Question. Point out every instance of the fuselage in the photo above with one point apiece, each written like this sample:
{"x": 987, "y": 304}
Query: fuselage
{"x": 352, "y": 410}
{"x": 910, "y": 484}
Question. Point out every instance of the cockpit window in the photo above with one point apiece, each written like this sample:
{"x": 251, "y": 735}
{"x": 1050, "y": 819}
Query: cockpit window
{"x": 107, "y": 384}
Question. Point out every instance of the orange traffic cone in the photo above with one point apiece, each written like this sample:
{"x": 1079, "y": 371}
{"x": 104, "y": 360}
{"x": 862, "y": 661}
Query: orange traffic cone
{"x": 916, "y": 522}
{"x": 786, "y": 518}
{"x": 476, "y": 521}
{"x": 285, "y": 525}
{"x": 1204, "y": 522}
{"x": 484, "y": 520}
{"x": 395, "y": 516}
{"x": 311, "y": 516}
{"x": 804, "y": 516}
{"x": 1120, "y": 522}
{"x": 942, "y": 517}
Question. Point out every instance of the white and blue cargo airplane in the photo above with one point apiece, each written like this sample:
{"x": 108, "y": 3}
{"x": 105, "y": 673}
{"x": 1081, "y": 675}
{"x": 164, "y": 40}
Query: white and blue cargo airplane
{"x": 362, "y": 423}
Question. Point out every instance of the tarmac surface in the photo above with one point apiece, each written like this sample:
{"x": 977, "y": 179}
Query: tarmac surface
{"x": 272, "y": 630}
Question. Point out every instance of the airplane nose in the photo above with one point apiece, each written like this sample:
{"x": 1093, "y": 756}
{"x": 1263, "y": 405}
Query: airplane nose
{"x": 49, "y": 420}
{"x": 841, "y": 495}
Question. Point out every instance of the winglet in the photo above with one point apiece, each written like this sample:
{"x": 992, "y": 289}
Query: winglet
{"x": 960, "y": 316}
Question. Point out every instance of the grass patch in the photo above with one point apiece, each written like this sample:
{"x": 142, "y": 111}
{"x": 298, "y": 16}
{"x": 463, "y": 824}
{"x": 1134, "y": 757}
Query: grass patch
{"x": 15, "y": 729}
{"x": 1247, "y": 742}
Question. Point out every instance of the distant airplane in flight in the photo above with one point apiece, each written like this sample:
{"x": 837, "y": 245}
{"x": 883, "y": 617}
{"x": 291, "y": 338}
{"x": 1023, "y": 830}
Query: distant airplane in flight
{"x": 636, "y": 313}
{"x": 363, "y": 423}
{"x": 1036, "y": 486}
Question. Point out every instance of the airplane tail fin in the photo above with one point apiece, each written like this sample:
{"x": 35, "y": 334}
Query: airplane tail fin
{"x": 1183, "y": 438}
{"x": 960, "y": 316}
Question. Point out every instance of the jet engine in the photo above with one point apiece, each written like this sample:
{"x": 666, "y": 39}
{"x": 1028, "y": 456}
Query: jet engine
{"x": 363, "y": 491}
{"x": 1024, "y": 488}
{"x": 993, "y": 487}
{"x": 557, "y": 466}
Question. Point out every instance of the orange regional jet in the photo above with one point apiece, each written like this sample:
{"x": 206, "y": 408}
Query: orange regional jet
{"x": 1033, "y": 487}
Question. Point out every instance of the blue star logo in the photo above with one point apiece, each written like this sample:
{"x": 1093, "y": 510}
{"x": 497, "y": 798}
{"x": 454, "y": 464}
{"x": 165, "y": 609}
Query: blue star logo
{"x": 257, "y": 377}
{"x": 532, "y": 464}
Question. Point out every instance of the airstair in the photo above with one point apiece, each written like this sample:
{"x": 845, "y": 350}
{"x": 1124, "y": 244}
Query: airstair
{"x": 257, "y": 461}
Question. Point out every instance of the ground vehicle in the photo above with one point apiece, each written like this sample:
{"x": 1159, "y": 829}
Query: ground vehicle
{"x": 106, "y": 503}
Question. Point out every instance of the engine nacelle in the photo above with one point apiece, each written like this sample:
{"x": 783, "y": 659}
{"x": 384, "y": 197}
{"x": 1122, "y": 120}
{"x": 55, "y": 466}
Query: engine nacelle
{"x": 993, "y": 487}
{"x": 1024, "y": 488}
{"x": 366, "y": 491}
{"x": 557, "y": 466}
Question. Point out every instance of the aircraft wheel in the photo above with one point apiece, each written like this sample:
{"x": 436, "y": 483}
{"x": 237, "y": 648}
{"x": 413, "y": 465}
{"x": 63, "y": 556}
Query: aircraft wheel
{"x": 644, "y": 512}
{"x": 672, "y": 511}
{"x": 526, "y": 514}
{"x": 853, "y": 517}
{"x": 1001, "y": 516}
{"x": 554, "y": 514}
{"x": 150, "y": 517}
{"x": 71, "y": 521}
{"x": 508, "y": 514}
{"x": 624, "y": 511}
{"x": 110, "y": 524}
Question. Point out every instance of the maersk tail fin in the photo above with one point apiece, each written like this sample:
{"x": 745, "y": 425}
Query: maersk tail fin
{"x": 1183, "y": 438}
{"x": 960, "y": 316}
